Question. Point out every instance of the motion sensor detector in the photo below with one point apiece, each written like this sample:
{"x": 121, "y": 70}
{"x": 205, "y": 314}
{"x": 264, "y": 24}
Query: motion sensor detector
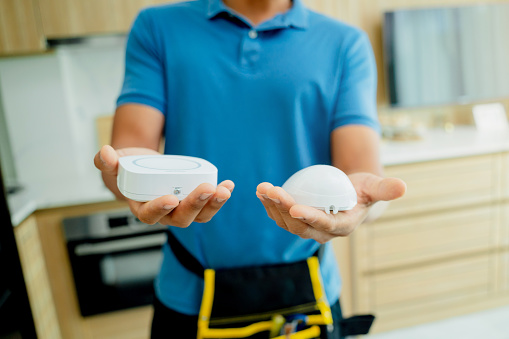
{"x": 323, "y": 187}
{"x": 147, "y": 177}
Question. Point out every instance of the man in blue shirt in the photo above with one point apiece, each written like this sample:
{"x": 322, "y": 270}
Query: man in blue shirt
{"x": 262, "y": 89}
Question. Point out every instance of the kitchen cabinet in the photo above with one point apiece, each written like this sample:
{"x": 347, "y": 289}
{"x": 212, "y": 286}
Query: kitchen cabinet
{"x": 75, "y": 18}
{"x": 20, "y": 27}
{"x": 505, "y": 176}
{"x": 442, "y": 250}
{"x": 131, "y": 324}
{"x": 37, "y": 279}
{"x": 504, "y": 227}
{"x": 504, "y": 251}
{"x": 25, "y": 25}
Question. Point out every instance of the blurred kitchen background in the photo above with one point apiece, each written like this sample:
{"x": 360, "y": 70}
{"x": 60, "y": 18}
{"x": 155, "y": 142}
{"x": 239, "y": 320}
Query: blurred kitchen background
{"x": 440, "y": 253}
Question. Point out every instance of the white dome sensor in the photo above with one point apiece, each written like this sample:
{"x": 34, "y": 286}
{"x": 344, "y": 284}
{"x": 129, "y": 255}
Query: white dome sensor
{"x": 323, "y": 187}
{"x": 147, "y": 177}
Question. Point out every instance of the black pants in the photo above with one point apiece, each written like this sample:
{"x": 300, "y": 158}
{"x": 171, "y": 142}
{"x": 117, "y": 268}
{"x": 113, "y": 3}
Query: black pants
{"x": 169, "y": 324}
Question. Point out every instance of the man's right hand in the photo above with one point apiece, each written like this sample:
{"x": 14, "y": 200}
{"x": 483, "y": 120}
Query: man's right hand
{"x": 199, "y": 206}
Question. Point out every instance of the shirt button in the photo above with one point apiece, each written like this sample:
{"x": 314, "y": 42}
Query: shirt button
{"x": 253, "y": 34}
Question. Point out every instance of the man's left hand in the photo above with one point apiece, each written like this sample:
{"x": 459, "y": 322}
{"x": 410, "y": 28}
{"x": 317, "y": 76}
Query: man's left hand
{"x": 308, "y": 222}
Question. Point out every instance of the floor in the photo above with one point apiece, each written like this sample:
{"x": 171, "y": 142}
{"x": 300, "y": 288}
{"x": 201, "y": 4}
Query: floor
{"x": 490, "y": 324}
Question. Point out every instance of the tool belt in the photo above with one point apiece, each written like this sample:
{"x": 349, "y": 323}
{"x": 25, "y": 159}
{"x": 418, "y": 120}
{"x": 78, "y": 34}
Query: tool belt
{"x": 274, "y": 301}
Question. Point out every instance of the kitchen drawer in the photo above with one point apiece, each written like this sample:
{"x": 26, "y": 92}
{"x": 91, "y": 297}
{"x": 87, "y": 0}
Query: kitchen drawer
{"x": 503, "y": 209}
{"x": 504, "y": 270}
{"x": 402, "y": 242}
{"x": 444, "y": 184}
{"x": 505, "y": 175}
{"x": 396, "y": 296}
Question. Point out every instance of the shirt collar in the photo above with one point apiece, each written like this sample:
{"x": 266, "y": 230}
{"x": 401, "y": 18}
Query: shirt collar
{"x": 296, "y": 16}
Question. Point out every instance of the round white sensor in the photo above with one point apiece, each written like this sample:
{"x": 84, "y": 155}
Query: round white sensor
{"x": 323, "y": 187}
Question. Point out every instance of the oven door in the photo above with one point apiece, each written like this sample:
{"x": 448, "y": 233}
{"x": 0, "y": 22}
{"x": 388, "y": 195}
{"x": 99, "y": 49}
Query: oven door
{"x": 116, "y": 273}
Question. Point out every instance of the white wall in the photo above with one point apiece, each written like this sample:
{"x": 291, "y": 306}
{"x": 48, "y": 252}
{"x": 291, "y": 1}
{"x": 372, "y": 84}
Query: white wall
{"x": 51, "y": 101}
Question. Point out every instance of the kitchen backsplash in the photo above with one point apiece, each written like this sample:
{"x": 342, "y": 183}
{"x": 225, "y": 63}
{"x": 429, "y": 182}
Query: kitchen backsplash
{"x": 51, "y": 102}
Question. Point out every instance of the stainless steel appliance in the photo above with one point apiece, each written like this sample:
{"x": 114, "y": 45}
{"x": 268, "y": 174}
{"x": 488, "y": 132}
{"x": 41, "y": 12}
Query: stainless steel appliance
{"x": 114, "y": 259}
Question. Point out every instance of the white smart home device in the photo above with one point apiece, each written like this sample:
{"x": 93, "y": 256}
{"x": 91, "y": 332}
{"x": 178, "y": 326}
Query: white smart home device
{"x": 323, "y": 187}
{"x": 146, "y": 177}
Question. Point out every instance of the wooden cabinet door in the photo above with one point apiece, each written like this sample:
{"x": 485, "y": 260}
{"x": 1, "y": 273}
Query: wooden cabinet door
{"x": 504, "y": 182}
{"x": 439, "y": 251}
{"x": 431, "y": 237}
{"x": 444, "y": 184}
{"x": 73, "y": 18}
{"x": 20, "y": 28}
{"x": 427, "y": 293}
{"x": 37, "y": 279}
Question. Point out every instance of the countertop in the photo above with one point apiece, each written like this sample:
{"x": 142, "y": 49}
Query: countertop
{"x": 437, "y": 144}
{"x": 57, "y": 192}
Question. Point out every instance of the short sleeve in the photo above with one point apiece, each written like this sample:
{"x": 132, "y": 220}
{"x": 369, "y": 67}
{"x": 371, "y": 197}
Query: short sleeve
{"x": 144, "y": 68}
{"x": 356, "y": 102}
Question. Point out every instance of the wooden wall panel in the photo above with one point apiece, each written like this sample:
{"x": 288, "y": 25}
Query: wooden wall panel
{"x": 20, "y": 28}
{"x": 74, "y": 18}
{"x": 339, "y": 9}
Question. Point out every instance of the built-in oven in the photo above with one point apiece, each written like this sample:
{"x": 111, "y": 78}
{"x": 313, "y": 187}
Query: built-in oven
{"x": 114, "y": 259}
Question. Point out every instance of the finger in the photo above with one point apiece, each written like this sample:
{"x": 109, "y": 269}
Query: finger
{"x": 340, "y": 224}
{"x": 385, "y": 189}
{"x": 283, "y": 203}
{"x": 221, "y": 195}
{"x": 391, "y": 188}
{"x": 106, "y": 160}
{"x": 190, "y": 207}
{"x": 228, "y": 184}
{"x": 272, "y": 211}
{"x": 152, "y": 211}
{"x": 123, "y": 152}
{"x": 214, "y": 204}
{"x": 263, "y": 188}
{"x": 266, "y": 203}
{"x": 297, "y": 225}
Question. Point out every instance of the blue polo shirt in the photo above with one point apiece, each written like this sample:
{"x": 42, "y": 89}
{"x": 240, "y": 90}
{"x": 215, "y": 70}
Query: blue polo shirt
{"x": 259, "y": 102}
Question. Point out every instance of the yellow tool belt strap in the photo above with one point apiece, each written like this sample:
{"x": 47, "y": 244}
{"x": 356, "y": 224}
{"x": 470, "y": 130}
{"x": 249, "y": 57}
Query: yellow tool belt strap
{"x": 324, "y": 318}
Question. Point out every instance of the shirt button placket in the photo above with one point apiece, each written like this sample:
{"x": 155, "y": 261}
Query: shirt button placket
{"x": 253, "y": 34}
{"x": 250, "y": 49}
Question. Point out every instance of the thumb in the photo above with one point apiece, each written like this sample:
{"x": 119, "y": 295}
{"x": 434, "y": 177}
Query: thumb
{"x": 372, "y": 188}
{"x": 387, "y": 189}
{"x": 106, "y": 160}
